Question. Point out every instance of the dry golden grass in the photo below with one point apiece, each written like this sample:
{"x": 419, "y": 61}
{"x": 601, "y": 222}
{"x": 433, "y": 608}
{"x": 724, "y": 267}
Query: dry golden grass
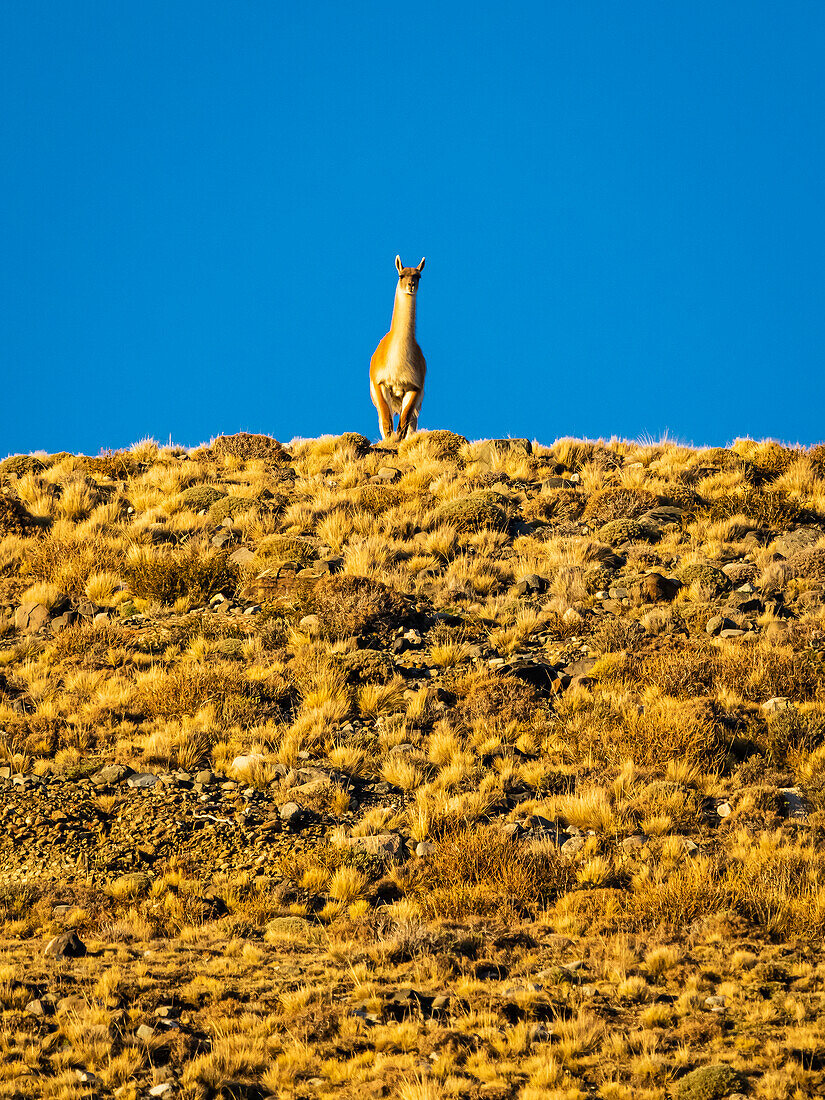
{"x": 667, "y": 901}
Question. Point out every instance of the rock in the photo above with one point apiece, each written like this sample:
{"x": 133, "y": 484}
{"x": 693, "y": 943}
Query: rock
{"x": 573, "y": 846}
{"x": 241, "y": 556}
{"x": 111, "y": 775}
{"x": 424, "y": 848}
{"x": 654, "y": 588}
{"x": 387, "y": 473}
{"x": 582, "y": 667}
{"x": 387, "y": 845}
{"x": 311, "y": 624}
{"x": 68, "y": 945}
{"x": 67, "y": 619}
{"x": 709, "y": 1083}
{"x": 529, "y": 584}
{"x": 291, "y": 813}
{"x": 793, "y": 541}
{"x": 35, "y": 1008}
{"x": 775, "y": 705}
{"x": 634, "y": 843}
{"x": 724, "y": 809}
{"x": 223, "y": 538}
{"x": 246, "y": 761}
{"x": 30, "y": 617}
{"x": 798, "y": 809}
{"x": 165, "y": 1088}
{"x": 142, "y": 780}
{"x": 716, "y": 1003}
{"x": 538, "y": 674}
{"x": 145, "y": 1033}
{"x": 718, "y": 624}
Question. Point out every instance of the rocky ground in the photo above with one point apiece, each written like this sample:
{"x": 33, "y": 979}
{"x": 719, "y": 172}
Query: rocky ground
{"x": 422, "y": 770}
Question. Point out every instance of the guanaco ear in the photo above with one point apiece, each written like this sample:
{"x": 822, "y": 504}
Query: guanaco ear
{"x": 421, "y": 265}
{"x": 398, "y": 264}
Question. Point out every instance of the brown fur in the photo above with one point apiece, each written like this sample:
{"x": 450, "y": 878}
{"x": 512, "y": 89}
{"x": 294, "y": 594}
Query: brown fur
{"x": 398, "y": 367}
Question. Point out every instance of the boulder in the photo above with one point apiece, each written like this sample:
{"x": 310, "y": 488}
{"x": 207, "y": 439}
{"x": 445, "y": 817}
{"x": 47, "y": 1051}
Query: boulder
{"x": 68, "y": 945}
{"x": 31, "y": 616}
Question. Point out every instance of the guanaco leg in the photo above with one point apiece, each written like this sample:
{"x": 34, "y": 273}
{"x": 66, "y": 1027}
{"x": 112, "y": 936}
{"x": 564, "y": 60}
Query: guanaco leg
{"x": 408, "y": 419}
{"x": 384, "y": 412}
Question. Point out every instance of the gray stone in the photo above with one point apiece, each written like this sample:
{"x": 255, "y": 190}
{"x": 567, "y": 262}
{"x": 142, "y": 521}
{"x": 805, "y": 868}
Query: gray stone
{"x": 424, "y": 848}
{"x": 291, "y": 813}
{"x": 387, "y": 473}
{"x": 111, "y": 775}
{"x": 145, "y": 1033}
{"x": 142, "y": 780}
{"x": 573, "y": 846}
{"x": 529, "y": 584}
{"x": 798, "y": 809}
{"x": 793, "y": 541}
{"x": 724, "y": 809}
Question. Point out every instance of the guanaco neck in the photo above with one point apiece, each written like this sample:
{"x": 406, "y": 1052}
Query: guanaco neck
{"x": 402, "y": 328}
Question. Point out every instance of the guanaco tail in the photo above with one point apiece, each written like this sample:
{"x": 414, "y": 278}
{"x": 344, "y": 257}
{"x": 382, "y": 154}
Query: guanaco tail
{"x": 397, "y": 367}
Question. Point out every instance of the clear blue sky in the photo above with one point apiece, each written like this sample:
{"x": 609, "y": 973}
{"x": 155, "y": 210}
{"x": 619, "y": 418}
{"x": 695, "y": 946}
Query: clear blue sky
{"x": 622, "y": 206}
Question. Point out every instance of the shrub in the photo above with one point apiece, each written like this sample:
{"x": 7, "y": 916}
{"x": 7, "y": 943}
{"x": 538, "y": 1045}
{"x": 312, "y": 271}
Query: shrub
{"x": 438, "y": 444}
{"x": 161, "y": 574}
{"x": 286, "y": 548}
{"x": 809, "y": 564}
{"x": 200, "y": 498}
{"x": 611, "y": 504}
{"x": 117, "y": 465}
{"x": 708, "y": 576}
{"x": 479, "y": 871}
{"x": 348, "y": 605}
{"x": 368, "y": 666}
{"x": 766, "y": 507}
{"x": 790, "y": 732}
{"x": 472, "y": 513}
{"x": 561, "y": 505}
{"x": 229, "y": 507}
{"x": 247, "y": 446}
{"x": 186, "y": 688}
{"x": 377, "y": 498}
{"x": 14, "y": 519}
{"x": 355, "y": 442}
{"x": 710, "y": 1083}
{"x": 70, "y": 564}
{"x": 498, "y": 700}
{"x": 628, "y": 530}
{"x": 20, "y": 465}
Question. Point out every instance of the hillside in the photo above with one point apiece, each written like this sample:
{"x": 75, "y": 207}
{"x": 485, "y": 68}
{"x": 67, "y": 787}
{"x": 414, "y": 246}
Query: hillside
{"x": 424, "y": 770}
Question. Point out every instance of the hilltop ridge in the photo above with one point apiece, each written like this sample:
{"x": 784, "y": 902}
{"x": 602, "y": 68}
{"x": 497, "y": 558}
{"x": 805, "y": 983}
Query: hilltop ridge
{"x": 424, "y": 769}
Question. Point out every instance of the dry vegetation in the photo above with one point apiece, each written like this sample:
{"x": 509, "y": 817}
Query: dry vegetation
{"x": 438, "y": 769}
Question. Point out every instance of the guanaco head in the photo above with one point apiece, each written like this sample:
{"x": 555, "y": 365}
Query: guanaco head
{"x": 408, "y": 276}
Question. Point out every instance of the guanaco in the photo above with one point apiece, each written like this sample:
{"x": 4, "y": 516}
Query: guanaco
{"x": 397, "y": 367}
